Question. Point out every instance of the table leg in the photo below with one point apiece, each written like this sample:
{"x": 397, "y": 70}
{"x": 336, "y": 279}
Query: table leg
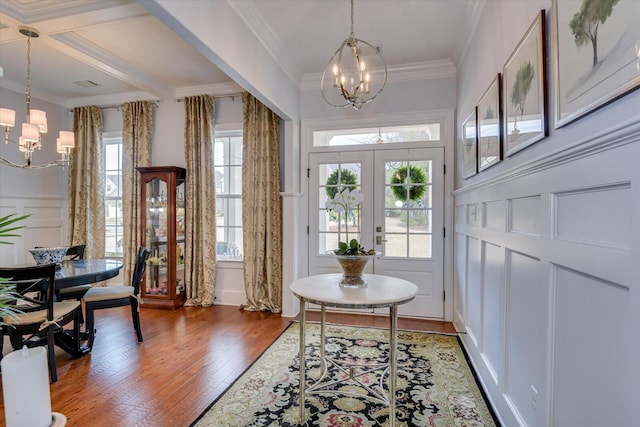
{"x": 323, "y": 317}
{"x": 393, "y": 336}
{"x": 302, "y": 361}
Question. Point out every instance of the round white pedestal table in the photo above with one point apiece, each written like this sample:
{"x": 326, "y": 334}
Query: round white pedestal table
{"x": 380, "y": 292}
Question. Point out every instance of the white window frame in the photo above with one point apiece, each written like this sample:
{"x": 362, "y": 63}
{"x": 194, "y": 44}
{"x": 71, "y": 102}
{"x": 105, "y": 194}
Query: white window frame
{"x": 227, "y": 131}
{"x": 113, "y": 138}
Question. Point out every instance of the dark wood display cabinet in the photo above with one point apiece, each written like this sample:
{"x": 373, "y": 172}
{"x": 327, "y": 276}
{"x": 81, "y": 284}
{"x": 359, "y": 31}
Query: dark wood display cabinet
{"x": 162, "y": 198}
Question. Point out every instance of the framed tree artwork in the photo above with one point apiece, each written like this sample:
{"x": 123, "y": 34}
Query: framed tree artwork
{"x": 525, "y": 90}
{"x": 597, "y": 54}
{"x": 469, "y": 146}
{"x": 489, "y": 129}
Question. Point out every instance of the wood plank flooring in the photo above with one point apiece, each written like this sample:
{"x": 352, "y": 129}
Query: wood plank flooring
{"x": 188, "y": 358}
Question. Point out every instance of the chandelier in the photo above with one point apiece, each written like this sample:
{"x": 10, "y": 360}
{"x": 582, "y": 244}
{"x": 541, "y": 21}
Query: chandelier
{"x": 356, "y": 73}
{"x": 35, "y": 124}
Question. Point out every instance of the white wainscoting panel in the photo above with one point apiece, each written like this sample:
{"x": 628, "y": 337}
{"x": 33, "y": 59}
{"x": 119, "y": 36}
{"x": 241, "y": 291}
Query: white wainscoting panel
{"x": 524, "y": 215}
{"x": 597, "y": 216}
{"x": 472, "y": 214}
{"x": 547, "y": 264}
{"x": 45, "y": 227}
{"x": 474, "y": 290}
{"x": 493, "y": 215}
{"x": 460, "y": 278}
{"x": 526, "y": 333}
{"x": 592, "y": 360}
{"x": 493, "y": 309}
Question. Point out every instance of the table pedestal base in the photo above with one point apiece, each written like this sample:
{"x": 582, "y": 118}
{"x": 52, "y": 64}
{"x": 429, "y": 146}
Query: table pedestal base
{"x": 318, "y": 387}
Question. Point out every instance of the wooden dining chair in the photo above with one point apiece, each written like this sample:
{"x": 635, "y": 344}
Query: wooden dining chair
{"x": 98, "y": 298}
{"x": 39, "y": 317}
{"x": 74, "y": 292}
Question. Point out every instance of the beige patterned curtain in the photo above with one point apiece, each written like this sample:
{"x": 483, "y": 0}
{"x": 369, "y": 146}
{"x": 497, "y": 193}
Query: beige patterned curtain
{"x": 86, "y": 182}
{"x": 261, "y": 208}
{"x": 137, "y": 137}
{"x": 200, "y": 244}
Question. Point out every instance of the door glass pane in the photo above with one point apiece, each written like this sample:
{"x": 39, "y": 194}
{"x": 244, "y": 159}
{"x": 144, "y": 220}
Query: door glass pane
{"x": 396, "y": 245}
{"x": 408, "y": 209}
{"x": 337, "y": 227}
{"x": 420, "y": 246}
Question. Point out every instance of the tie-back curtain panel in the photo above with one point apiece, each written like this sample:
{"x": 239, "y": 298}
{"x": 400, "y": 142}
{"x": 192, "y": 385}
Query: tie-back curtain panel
{"x": 137, "y": 138}
{"x": 261, "y": 207}
{"x": 86, "y": 182}
{"x": 200, "y": 244}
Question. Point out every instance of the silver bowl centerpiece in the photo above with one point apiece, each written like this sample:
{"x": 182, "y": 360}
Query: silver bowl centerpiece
{"x": 49, "y": 255}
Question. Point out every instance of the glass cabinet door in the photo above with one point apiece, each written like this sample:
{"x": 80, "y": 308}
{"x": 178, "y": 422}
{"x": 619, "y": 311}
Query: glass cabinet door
{"x": 156, "y": 236}
{"x": 180, "y": 231}
{"x": 162, "y": 197}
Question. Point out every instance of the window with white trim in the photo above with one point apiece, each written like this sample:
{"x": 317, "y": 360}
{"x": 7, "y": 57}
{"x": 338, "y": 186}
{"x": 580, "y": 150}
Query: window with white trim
{"x": 227, "y": 161}
{"x": 114, "y": 226}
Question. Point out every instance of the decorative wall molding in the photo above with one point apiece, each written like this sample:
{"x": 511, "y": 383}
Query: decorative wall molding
{"x": 607, "y": 139}
{"x": 553, "y": 293}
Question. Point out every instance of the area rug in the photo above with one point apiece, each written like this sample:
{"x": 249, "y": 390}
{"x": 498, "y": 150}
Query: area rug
{"x": 435, "y": 386}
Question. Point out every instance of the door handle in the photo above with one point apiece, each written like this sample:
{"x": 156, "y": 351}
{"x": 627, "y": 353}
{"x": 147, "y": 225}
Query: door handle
{"x": 379, "y": 240}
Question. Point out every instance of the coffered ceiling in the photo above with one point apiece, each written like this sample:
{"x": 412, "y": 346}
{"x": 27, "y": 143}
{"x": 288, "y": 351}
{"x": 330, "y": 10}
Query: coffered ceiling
{"x": 101, "y": 50}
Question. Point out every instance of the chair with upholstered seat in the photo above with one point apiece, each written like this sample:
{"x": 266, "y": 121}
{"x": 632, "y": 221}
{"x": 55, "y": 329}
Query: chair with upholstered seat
{"x": 74, "y": 292}
{"x": 98, "y": 298}
{"x": 39, "y": 317}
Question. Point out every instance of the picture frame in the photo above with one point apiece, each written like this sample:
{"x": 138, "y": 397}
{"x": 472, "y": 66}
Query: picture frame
{"x": 587, "y": 78}
{"x": 489, "y": 112}
{"x": 524, "y": 79}
{"x": 469, "y": 145}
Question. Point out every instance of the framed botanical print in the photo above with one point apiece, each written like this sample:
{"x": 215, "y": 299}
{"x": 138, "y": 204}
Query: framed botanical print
{"x": 469, "y": 146}
{"x": 525, "y": 90}
{"x": 489, "y": 129}
{"x": 596, "y": 54}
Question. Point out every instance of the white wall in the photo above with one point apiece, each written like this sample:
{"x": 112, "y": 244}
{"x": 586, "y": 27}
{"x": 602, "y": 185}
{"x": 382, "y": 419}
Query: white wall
{"x": 546, "y": 250}
{"x": 42, "y": 193}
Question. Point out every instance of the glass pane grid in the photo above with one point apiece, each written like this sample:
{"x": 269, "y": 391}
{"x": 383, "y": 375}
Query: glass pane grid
{"x": 114, "y": 231}
{"x": 228, "y": 187}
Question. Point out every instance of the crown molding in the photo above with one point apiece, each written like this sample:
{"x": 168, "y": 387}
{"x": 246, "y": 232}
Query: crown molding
{"x": 395, "y": 74}
{"x": 29, "y": 12}
{"x": 35, "y": 93}
{"x": 267, "y": 38}
{"x": 476, "y": 14}
{"x": 113, "y": 99}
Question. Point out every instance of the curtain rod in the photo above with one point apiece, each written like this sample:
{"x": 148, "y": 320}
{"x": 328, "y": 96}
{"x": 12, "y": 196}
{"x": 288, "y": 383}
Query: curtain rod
{"x": 155, "y": 103}
{"x": 231, "y": 95}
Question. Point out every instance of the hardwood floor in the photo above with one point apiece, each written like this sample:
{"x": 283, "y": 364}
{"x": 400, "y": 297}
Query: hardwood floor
{"x": 188, "y": 358}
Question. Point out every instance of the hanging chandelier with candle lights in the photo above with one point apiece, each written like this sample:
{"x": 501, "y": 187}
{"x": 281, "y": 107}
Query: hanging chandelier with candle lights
{"x": 356, "y": 73}
{"x": 35, "y": 124}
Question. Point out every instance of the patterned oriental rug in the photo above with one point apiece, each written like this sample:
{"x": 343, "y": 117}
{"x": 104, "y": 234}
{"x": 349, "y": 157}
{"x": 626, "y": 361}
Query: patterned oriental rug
{"x": 435, "y": 385}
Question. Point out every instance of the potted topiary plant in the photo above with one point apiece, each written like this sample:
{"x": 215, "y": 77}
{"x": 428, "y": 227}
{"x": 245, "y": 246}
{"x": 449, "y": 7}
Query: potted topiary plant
{"x": 351, "y": 255}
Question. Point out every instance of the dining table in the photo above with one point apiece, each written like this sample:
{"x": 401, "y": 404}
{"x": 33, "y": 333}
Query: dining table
{"x": 82, "y": 272}
{"x": 86, "y": 271}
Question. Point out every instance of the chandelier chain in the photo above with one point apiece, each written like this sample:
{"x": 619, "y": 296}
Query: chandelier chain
{"x": 352, "y": 32}
{"x": 28, "y": 91}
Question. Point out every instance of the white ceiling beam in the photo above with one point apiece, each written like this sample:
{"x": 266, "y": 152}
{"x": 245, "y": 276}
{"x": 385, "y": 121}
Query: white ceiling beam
{"x": 216, "y": 30}
{"x": 91, "y": 54}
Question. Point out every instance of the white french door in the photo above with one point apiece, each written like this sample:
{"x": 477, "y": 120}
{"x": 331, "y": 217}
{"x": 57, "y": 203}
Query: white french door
{"x": 402, "y": 217}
